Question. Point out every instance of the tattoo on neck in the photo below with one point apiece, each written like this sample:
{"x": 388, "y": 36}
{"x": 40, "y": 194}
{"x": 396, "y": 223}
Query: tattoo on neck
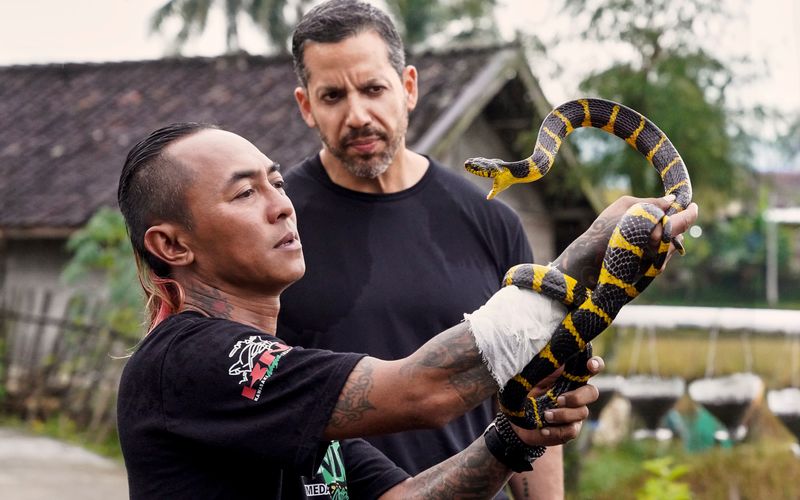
{"x": 209, "y": 301}
{"x": 354, "y": 399}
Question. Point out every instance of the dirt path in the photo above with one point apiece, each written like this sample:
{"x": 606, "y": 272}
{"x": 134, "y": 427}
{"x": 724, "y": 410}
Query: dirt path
{"x": 39, "y": 468}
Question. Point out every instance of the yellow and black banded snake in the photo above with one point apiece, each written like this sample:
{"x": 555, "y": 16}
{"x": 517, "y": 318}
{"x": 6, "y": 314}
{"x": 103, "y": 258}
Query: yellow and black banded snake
{"x": 627, "y": 269}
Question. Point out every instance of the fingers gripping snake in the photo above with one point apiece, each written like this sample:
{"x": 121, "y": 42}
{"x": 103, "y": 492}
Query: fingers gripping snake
{"x": 629, "y": 265}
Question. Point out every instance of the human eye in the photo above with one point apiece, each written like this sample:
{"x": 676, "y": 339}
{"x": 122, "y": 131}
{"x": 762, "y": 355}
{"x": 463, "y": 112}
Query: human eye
{"x": 278, "y": 183}
{"x": 275, "y": 178}
{"x": 375, "y": 89}
{"x": 244, "y": 194}
{"x": 331, "y": 96}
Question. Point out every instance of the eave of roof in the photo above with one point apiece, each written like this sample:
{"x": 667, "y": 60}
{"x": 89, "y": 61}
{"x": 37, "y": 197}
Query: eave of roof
{"x": 441, "y": 134}
{"x": 503, "y": 66}
{"x": 128, "y": 92}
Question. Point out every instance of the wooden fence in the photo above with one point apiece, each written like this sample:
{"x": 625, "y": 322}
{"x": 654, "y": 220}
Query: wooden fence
{"x": 57, "y": 359}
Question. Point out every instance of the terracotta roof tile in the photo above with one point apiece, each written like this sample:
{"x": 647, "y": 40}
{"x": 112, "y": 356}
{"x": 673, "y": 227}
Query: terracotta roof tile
{"x": 66, "y": 128}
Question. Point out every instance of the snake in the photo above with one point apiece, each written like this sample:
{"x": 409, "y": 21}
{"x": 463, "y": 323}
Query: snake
{"x": 629, "y": 265}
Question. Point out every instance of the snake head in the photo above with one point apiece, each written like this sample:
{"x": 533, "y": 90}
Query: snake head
{"x": 495, "y": 169}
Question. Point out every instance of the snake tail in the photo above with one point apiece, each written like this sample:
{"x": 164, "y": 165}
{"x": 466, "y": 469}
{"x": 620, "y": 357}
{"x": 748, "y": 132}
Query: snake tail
{"x": 575, "y": 374}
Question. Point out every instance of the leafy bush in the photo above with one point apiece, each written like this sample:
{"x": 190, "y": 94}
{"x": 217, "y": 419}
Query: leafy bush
{"x": 102, "y": 246}
{"x": 664, "y": 484}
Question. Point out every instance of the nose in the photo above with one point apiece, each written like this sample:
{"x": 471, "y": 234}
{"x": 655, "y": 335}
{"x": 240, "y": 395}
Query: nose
{"x": 358, "y": 114}
{"x": 279, "y": 206}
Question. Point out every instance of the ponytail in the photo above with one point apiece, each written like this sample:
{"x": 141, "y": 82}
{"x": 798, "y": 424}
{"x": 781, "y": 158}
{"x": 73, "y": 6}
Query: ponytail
{"x": 164, "y": 296}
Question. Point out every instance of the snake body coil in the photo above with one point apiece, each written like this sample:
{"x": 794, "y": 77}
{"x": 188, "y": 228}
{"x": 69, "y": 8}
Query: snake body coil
{"x": 628, "y": 267}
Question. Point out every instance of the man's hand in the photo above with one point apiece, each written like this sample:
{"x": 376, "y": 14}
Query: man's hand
{"x": 583, "y": 258}
{"x": 476, "y": 473}
{"x": 565, "y": 422}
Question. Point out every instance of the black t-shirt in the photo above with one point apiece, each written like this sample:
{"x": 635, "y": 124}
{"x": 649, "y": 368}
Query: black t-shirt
{"x": 211, "y": 408}
{"x": 385, "y": 273}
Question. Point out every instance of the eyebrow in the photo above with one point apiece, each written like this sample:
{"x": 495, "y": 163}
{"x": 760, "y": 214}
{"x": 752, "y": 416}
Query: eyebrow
{"x": 369, "y": 82}
{"x": 251, "y": 174}
{"x": 327, "y": 88}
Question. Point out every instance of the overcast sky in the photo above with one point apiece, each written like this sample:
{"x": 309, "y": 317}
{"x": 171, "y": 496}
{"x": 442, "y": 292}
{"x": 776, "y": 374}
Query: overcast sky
{"x": 45, "y": 31}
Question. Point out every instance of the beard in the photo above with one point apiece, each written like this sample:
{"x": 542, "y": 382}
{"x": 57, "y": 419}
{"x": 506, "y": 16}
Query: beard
{"x": 370, "y": 165}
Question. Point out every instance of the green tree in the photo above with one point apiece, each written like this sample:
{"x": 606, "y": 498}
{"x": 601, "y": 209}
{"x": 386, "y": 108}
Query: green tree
{"x": 269, "y": 15}
{"x": 418, "y": 20}
{"x": 102, "y": 247}
{"x": 727, "y": 266}
{"x": 672, "y": 79}
{"x": 458, "y": 20}
{"x": 789, "y": 142}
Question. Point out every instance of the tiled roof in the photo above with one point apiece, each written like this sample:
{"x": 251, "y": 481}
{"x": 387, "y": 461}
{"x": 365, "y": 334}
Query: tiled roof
{"x": 66, "y": 128}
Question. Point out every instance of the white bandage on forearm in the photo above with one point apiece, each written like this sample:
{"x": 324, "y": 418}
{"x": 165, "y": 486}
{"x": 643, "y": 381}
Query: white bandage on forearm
{"x": 512, "y": 327}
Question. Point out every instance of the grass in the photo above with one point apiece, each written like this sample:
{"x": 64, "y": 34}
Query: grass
{"x": 686, "y": 354}
{"x": 752, "y": 470}
{"x": 761, "y": 467}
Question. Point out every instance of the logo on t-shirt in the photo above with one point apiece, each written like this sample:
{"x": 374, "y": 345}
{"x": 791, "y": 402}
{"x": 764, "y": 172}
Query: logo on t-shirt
{"x": 257, "y": 359}
{"x": 331, "y": 479}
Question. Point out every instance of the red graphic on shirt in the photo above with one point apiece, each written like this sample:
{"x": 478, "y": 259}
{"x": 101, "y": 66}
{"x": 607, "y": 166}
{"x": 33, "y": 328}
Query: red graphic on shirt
{"x": 257, "y": 360}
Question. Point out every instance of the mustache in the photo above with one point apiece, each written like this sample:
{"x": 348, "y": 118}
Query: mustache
{"x": 359, "y": 133}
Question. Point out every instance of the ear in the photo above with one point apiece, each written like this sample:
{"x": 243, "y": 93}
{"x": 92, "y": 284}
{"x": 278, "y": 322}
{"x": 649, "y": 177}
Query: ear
{"x": 410, "y": 86}
{"x": 165, "y": 241}
{"x": 304, "y": 103}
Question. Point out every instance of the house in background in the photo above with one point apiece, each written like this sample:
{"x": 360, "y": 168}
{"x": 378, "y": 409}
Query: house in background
{"x": 783, "y": 210}
{"x": 68, "y": 127}
{"x": 782, "y": 186}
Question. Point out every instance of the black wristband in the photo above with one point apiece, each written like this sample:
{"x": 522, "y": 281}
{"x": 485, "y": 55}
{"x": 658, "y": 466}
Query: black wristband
{"x": 508, "y": 448}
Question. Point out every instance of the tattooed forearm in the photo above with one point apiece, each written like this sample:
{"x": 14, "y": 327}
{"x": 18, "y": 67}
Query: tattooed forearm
{"x": 473, "y": 473}
{"x": 354, "y": 399}
{"x": 525, "y": 489}
{"x": 455, "y": 352}
{"x": 584, "y": 256}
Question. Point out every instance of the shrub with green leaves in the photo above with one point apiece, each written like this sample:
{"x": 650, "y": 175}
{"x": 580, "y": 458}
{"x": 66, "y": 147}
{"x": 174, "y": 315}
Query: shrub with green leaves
{"x": 664, "y": 484}
{"x": 102, "y": 246}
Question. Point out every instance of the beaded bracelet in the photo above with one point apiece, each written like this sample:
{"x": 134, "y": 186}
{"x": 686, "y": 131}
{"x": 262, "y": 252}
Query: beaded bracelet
{"x": 508, "y": 448}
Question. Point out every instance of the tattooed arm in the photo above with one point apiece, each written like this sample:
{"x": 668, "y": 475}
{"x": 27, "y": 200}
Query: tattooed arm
{"x": 443, "y": 379}
{"x": 475, "y": 473}
{"x": 365, "y": 406}
{"x": 584, "y": 256}
{"x": 546, "y": 480}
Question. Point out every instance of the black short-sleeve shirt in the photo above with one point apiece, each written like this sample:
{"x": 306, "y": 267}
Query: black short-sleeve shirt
{"x": 387, "y": 272}
{"x": 211, "y": 408}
